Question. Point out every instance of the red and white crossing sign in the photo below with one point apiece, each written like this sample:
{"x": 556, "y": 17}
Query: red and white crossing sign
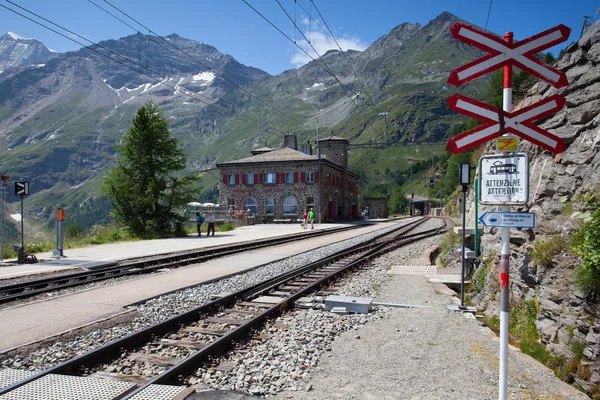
{"x": 498, "y": 122}
{"x": 520, "y": 54}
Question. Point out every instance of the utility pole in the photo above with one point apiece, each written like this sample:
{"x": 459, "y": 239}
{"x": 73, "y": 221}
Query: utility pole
{"x": 586, "y": 25}
{"x": 320, "y": 174}
{"x": 384, "y": 115}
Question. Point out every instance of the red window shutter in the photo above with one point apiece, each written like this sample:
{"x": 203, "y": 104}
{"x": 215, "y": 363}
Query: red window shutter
{"x": 256, "y": 179}
{"x": 237, "y": 179}
{"x": 303, "y": 177}
{"x": 295, "y": 177}
{"x": 277, "y": 177}
{"x": 224, "y": 179}
{"x": 243, "y": 179}
{"x": 316, "y": 177}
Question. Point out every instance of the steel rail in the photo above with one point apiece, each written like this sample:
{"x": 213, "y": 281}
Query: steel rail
{"x": 187, "y": 366}
{"x": 146, "y": 265}
{"x": 134, "y": 340}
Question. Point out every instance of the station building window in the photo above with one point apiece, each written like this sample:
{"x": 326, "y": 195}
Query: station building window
{"x": 290, "y": 206}
{"x": 231, "y": 179}
{"x": 251, "y": 204}
{"x": 250, "y": 179}
{"x": 270, "y": 206}
{"x": 310, "y": 177}
{"x": 310, "y": 203}
{"x": 269, "y": 178}
{"x": 289, "y": 177}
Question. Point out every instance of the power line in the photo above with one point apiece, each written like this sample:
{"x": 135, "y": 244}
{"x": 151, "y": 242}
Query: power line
{"x": 488, "y": 16}
{"x": 316, "y": 52}
{"x": 325, "y": 67}
{"x": 213, "y": 103}
{"x": 369, "y": 100}
{"x": 234, "y": 86}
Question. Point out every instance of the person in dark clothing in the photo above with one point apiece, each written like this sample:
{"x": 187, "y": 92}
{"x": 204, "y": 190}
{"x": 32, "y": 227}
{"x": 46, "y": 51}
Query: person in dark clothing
{"x": 199, "y": 222}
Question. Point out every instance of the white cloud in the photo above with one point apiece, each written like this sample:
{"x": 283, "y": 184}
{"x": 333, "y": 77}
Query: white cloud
{"x": 322, "y": 43}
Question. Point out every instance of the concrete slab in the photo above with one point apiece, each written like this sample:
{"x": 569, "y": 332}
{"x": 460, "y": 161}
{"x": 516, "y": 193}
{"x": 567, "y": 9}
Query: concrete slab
{"x": 468, "y": 231}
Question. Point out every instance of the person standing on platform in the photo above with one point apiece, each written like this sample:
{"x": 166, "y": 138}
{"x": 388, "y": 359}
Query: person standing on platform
{"x": 305, "y": 219}
{"x": 211, "y": 224}
{"x": 311, "y": 218}
{"x": 199, "y": 222}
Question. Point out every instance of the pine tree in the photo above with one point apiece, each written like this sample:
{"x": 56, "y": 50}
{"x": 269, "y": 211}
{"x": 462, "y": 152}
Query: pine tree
{"x": 144, "y": 187}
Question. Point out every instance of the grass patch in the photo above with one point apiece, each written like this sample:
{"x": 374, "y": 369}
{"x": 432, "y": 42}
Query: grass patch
{"x": 523, "y": 332}
{"x": 544, "y": 250}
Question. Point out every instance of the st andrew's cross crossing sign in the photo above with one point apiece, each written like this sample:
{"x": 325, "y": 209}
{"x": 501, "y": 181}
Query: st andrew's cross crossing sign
{"x": 520, "y": 54}
{"x": 497, "y": 123}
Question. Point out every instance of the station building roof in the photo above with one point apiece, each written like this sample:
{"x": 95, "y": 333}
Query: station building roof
{"x": 284, "y": 154}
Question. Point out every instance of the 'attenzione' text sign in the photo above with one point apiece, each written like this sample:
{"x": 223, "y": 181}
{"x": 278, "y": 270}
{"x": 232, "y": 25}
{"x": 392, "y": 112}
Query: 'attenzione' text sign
{"x": 504, "y": 179}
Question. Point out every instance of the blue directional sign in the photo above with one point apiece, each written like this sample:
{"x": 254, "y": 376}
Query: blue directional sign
{"x": 508, "y": 219}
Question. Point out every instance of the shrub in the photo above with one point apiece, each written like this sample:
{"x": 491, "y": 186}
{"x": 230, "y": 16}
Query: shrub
{"x": 73, "y": 231}
{"x": 227, "y": 226}
{"x": 577, "y": 347}
{"x": 522, "y": 317}
{"x": 38, "y": 247}
{"x": 493, "y": 322}
{"x": 587, "y": 273}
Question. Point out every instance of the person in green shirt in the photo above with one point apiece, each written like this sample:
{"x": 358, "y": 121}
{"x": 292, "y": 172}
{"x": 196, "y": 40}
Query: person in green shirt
{"x": 311, "y": 218}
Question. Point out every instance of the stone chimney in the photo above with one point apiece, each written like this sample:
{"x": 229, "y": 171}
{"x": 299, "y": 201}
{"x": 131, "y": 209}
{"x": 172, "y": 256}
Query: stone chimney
{"x": 289, "y": 140}
{"x": 306, "y": 148}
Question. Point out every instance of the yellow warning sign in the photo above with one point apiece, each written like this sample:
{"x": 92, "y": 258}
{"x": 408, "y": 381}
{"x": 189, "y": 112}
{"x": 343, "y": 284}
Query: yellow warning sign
{"x": 507, "y": 144}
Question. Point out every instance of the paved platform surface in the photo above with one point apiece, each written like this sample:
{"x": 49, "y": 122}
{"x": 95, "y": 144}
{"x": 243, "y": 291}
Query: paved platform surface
{"x": 93, "y": 256}
{"x": 31, "y": 322}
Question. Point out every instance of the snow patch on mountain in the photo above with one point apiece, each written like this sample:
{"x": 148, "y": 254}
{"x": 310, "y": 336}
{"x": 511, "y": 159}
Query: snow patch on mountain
{"x": 204, "y": 76}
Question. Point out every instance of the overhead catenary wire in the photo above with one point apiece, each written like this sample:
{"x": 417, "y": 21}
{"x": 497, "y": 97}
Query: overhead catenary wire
{"x": 488, "y": 16}
{"x": 368, "y": 97}
{"x": 301, "y": 49}
{"x": 232, "y": 84}
{"x": 191, "y": 93}
{"x": 326, "y": 67}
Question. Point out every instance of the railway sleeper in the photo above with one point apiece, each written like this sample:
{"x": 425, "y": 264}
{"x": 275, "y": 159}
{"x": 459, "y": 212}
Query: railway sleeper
{"x": 205, "y": 331}
{"x": 153, "y": 359}
{"x": 180, "y": 343}
{"x": 254, "y": 304}
{"x": 114, "y": 376}
{"x": 220, "y": 320}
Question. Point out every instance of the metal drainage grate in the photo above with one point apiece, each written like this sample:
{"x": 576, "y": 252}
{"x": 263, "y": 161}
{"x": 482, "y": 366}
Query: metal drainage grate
{"x": 8, "y": 376}
{"x": 159, "y": 392}
{"x": 66, "y": 387}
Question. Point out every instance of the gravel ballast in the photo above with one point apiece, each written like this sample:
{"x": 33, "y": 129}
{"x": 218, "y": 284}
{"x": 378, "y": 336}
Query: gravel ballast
{"x": 425, "y": 353}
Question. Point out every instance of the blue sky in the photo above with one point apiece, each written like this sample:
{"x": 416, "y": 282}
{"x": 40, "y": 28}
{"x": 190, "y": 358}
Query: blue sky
{"x": 234, "y": 28}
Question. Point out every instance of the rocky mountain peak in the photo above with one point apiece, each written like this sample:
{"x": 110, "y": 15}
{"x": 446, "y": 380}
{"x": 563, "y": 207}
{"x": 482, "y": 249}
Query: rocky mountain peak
{"x": 16, "y": 51}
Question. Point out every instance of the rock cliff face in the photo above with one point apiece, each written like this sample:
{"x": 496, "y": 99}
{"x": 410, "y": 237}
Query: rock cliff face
{"x": 16, "y": 51}
{"x": 566, "y": 317}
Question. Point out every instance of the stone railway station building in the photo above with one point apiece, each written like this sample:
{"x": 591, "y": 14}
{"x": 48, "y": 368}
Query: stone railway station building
{"x": 282, "y": 183}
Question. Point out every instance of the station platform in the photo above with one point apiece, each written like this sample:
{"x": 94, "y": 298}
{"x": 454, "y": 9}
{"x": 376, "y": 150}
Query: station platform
{"x": 98, "y": 256}
{"x": 35, "y": 322}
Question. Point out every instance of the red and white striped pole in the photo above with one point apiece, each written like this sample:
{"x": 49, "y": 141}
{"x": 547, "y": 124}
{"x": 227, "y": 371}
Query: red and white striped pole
{"x": 505, "y": 253}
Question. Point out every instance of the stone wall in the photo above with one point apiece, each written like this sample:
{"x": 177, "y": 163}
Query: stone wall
{"x": 566, "y": 315}
{"x": 278, "y": 191}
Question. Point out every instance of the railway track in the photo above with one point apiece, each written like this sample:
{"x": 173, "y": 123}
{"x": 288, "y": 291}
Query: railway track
{"x": 146, "y": 265}
{"x": 203, "y": 332}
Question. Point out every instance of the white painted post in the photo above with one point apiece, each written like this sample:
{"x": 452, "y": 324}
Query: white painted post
{"x": 505, "y": 252}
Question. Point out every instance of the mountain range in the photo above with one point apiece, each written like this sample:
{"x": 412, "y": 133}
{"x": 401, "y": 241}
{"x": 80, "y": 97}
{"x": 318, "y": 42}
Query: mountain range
{"x": 62, "y": 114}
